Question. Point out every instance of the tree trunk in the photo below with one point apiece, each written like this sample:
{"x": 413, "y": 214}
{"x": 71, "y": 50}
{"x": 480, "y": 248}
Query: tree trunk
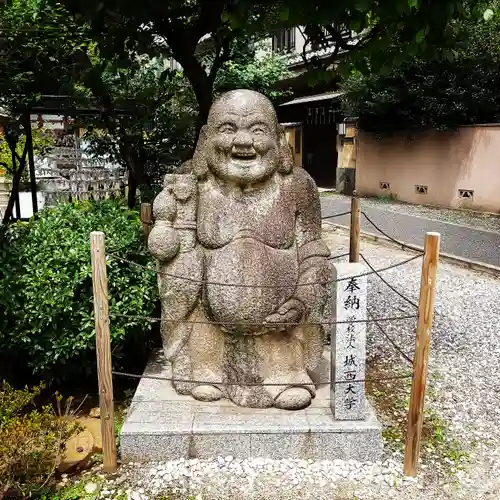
{"x": 136, "y": 175}
{"x": 204, "y": 98}
{"x": 132, "y": 190}
{"x": 14, "y": 193}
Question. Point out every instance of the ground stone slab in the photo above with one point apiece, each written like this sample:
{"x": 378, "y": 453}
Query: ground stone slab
{"x": 163, "y": 425}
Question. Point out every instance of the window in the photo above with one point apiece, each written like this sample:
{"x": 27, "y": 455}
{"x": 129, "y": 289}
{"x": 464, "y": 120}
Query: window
{"x": 284, "y": 40}
{"x": 420, "y": 189}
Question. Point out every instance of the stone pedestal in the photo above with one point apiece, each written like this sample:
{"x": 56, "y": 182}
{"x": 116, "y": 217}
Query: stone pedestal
{"x": 163, "y": 425}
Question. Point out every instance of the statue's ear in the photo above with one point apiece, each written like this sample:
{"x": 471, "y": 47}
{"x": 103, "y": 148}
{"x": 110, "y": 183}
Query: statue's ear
{"x": 199, "y": 165}
{"x": 285, "y": 152}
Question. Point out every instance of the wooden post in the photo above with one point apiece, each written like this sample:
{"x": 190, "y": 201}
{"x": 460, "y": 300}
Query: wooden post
{"x": 103, "y": 349}
{"x": 425, "y": 316}
{"x": 146, "y": 218}
{"x": 355, "y": 228}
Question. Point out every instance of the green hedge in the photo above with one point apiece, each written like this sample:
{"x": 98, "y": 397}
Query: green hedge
{"x": 46, "y": 288}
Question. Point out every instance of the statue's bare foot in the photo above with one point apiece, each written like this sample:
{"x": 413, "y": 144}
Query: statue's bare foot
{"x": 294, "y": 398}
{"x": 206, "y": 393}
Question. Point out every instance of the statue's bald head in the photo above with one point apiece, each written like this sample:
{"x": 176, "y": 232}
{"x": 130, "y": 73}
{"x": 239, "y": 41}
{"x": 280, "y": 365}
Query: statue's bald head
{"x": 242, "y": 142}
{"x": 243, "y": 102}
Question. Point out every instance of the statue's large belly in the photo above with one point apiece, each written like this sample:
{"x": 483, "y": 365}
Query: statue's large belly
{"x": 247, "y": 263}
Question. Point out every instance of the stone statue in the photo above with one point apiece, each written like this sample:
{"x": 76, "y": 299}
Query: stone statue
{"x": 242, "y": 269}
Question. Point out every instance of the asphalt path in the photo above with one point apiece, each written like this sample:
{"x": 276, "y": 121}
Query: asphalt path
{"x": 460, "y": 241}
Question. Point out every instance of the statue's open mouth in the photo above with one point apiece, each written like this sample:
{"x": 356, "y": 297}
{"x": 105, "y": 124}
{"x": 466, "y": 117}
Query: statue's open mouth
{"x": 243, "y": 159}
{"x": 244, "y": 156}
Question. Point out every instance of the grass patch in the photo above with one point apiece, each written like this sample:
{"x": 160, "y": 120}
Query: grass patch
{"x": 387, "y": 198}
{"x": 391, "y": 399}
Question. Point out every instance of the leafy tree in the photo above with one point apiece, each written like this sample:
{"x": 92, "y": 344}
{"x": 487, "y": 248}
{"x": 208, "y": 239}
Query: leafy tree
{"x": 156, "y": 130}
{"x": 460, "y": 87}
{"x": 97, "y": 54}
{"x": 120, "y": 26}
{"x": 159, "y": 125}
{"x": 355, "y": 30}
{"x": 256, "y": 68}
{"x": 38, "y": 41}
{"x": 43, "y": 141}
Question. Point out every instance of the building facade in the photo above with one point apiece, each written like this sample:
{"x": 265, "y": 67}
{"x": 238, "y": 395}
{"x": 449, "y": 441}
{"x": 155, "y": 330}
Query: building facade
{"x": 311, "y": 122}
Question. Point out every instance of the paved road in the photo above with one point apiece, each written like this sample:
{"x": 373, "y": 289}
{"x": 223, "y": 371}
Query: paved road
{"x": 461, "y": 241}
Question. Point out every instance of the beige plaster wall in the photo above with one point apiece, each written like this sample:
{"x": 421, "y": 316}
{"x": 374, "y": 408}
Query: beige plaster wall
{"x": 291, "y": 137}
{"x": 445, "y": 162}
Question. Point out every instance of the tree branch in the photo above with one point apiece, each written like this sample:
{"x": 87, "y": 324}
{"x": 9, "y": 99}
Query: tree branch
{"x": 341, "y": 42}
{"x": 223, "y": 55}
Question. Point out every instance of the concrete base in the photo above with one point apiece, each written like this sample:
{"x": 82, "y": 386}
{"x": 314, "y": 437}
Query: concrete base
{"x": 162, "y": 425}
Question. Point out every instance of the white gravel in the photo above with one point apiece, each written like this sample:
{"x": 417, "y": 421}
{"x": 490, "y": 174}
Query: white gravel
{"x": 465, "y": 393}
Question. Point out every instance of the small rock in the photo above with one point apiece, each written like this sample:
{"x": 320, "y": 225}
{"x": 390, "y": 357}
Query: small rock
{"x": 90, "y": 488}
{"x": 95, "y": 412}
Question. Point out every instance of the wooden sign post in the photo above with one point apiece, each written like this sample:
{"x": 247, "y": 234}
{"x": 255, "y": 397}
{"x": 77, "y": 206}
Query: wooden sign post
{"x": 420, "y": 362}
{"x": 355, "y": 229}
{"x": 103, "y": 349}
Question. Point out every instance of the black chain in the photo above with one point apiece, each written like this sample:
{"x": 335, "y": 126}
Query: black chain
{"x": 403, "y": 354}
{"x": 243, "y": 285}
{"x": 335, "y": 215}
{"x": 400, "y": 243}
{"x": 387, "y": 283}
{"x": 333, "y": 257}
{"x": 269, "y": 325}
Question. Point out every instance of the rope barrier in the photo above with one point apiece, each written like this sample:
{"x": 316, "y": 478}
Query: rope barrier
{"x": 381, "y": 231}
{"x": 388, "y": 284}
{"x": 245, "y": 285}
{"x": 333, "y": 257}
{"x": 335, "y": 215}
{"x": 400, "y": 351}
{"x": 257, "y": 384}
{"x": 250, "y": 323}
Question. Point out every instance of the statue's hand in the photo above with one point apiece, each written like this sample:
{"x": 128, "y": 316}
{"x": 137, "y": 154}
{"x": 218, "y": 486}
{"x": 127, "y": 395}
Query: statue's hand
{"x": 290, "y": 312}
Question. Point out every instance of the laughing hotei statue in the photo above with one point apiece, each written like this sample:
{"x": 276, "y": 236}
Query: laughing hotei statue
{"x": 243, "y": 273}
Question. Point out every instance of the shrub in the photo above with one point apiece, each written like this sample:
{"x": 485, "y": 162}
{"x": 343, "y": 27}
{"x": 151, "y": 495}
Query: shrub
{"x": 46, "y": 286}
{"x": 31, "y": 442}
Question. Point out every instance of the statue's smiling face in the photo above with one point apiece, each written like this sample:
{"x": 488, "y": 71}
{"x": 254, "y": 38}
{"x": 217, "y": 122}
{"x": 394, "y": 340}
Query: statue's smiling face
{"x": 242, "y": 143}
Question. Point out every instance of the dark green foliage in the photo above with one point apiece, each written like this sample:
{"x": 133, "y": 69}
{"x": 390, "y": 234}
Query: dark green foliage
{"x": 247, "y": 71}
{"x": 38, "y": 43}
{"x": 46, "y": 287}
{"x": 458, "y": 88}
